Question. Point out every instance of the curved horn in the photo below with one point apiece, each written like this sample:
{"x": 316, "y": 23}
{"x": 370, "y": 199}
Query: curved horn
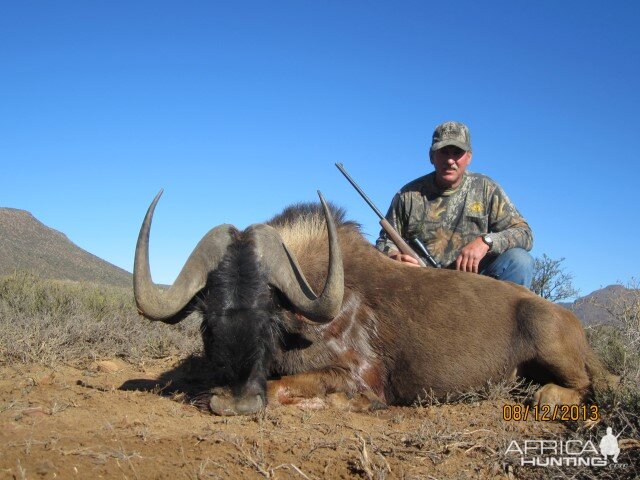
{"x": 284, "y": 272}
{"x": 165, "y": 306}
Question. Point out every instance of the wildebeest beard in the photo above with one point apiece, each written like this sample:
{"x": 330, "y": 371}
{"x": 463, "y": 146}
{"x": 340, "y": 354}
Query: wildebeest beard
{"x": 240, "y": 322}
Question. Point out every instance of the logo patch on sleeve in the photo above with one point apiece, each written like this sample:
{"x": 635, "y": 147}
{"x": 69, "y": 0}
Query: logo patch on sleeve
{"x": 476, "y": 208}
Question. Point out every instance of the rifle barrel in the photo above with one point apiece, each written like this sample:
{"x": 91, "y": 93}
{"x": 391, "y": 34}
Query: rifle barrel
{"x": 359, "y": 190}
{"x": 384, "y": 223}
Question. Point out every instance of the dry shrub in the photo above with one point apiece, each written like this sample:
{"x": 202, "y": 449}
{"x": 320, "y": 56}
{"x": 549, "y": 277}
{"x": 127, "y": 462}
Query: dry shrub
{"x": 618, "y": 345}
{"x": 508, "y": 389}
{"x": 54, "y": 321}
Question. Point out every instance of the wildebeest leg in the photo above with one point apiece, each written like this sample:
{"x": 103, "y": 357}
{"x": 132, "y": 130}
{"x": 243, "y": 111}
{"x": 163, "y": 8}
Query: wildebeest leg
{"x": 562, "y": 352}
{"x": 322, "y": 388}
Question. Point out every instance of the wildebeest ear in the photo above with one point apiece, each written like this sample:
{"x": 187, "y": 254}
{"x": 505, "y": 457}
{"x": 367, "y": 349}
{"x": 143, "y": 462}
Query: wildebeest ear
{"x": 284, "y": 272}
{"x": 167, "y": 306}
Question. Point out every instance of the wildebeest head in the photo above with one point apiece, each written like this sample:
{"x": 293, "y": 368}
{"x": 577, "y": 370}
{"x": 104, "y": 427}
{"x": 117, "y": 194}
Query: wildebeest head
{"x": 238, "y": 281}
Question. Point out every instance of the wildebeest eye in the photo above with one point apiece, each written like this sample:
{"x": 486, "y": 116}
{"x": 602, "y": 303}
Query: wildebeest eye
{"x": 294, "y": 341}
{"x": 279, "y": 300}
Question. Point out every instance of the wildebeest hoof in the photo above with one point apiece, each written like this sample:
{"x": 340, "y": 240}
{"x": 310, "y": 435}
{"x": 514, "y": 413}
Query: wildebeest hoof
{"x": 377, "y": 404}
{"x": 367, "y": 402}
{"x": 555, "y": 395}
{"x": 222, "y": 405}
{"x": 359, "y": 402}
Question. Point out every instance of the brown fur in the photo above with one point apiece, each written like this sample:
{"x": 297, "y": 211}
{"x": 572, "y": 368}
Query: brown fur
{"x": 404, "y": 330}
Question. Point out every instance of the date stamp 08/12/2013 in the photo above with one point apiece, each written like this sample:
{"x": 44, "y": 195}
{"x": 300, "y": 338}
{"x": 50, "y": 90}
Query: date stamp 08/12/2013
{"x": 546, "y": 413}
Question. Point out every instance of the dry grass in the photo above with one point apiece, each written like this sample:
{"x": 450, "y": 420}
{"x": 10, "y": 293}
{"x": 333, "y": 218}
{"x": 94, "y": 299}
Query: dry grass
{"x": 53, "y": 322}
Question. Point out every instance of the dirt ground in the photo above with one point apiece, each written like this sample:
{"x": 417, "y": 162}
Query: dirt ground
{"x": 111, "y": 419}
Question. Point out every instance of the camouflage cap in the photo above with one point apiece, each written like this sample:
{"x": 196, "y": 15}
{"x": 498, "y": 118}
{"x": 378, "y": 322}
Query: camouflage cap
{"x": 451, "y": 133}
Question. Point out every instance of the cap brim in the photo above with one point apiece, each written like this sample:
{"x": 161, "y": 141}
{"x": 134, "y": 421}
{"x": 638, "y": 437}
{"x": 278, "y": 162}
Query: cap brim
{"x": 446, "y": 143}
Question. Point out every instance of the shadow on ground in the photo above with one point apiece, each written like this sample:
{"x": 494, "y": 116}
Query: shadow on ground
{"x": 188, "y": 382}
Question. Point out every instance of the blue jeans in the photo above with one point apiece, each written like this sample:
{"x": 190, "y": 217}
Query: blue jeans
{"x": 515, "y": 265}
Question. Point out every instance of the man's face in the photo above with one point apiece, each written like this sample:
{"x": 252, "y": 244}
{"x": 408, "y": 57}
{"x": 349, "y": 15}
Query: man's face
{"x": 450, "y": 163}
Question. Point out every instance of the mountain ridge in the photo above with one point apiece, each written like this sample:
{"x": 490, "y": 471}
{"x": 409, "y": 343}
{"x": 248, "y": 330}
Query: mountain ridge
{"x": 28, "y": 244}
{"x": 597, "y": 306}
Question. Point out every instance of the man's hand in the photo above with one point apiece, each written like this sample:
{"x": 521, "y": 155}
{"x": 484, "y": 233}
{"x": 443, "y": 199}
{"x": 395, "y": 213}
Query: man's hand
{"x": 470, "y": 256}
{"x": 404, "y": 258}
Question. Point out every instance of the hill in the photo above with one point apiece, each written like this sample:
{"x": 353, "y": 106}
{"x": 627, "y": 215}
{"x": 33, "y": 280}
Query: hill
{"x": 601, "y": 306}
{"x": 28, "y": 244}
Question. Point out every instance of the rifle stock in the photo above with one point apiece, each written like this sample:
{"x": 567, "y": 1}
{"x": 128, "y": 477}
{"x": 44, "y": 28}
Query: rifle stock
{"x": 399, "y": 241}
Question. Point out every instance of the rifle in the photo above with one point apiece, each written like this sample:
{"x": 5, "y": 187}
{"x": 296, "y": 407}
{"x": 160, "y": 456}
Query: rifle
{"x": 392, "y": 232}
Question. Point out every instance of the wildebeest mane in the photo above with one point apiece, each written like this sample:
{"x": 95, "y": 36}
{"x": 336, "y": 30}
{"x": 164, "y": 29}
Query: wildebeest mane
{"x": 309, "y": 212}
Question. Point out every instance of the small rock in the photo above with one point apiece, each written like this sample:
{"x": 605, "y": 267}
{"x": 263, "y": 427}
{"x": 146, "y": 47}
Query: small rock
{"x": 44, "y": 467}
{"x": 10, "y": 427}
{"x": 47, "y": 379}
{"x": 108, "y": 366}
{"x": 34, "y": 412}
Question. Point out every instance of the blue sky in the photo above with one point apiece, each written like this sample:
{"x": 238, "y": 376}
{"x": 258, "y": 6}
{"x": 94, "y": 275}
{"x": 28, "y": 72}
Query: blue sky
{"x": 238, "y": 109}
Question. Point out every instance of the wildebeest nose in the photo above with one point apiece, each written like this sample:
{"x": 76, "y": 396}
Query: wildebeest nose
{"x": 222, "y": 405}
{"x": 227, "y": 405}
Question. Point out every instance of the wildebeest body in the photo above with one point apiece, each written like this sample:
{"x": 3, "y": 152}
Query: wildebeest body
{"x": 426, "y": 329}
{"x": 398, "y": 333}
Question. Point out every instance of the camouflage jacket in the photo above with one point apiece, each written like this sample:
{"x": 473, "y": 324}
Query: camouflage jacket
{"x": 448, "y": 220}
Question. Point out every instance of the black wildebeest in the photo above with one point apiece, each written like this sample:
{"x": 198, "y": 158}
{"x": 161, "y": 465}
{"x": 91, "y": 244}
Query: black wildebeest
{"x": 380, "y": 330}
